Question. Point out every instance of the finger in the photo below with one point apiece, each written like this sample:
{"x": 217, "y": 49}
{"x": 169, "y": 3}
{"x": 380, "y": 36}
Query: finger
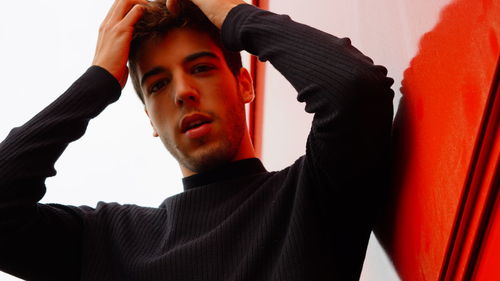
{"x": 133, "y": 16}
{"x": 122, "y": 8}
{"x": 110, "y": 11}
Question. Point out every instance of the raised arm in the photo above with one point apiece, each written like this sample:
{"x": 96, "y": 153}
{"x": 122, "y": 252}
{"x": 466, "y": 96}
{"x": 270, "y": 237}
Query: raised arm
{"x": 345, "y": 169}
{"x": 42, "y": 242}
{"x": 350, "y": 97}
{"x": 347, "y": 151}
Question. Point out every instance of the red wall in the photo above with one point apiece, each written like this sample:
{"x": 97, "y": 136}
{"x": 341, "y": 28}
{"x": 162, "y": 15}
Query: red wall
{"x": 441, "y": 222}
{"x": 256, "y": 116}
{"x": 445, "y": 92}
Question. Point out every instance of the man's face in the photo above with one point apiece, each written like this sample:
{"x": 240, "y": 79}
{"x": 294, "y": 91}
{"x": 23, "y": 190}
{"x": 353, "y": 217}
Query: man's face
{"x": 194, "y": 102}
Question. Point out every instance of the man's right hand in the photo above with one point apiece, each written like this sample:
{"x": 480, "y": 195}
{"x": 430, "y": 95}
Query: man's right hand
{"x": 115, "y": 34}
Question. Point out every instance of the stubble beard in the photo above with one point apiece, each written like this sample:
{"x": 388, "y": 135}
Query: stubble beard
{"x": 211, "y": 154}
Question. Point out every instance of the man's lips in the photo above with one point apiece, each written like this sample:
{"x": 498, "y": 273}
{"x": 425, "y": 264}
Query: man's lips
{"x": 193, "y": 121}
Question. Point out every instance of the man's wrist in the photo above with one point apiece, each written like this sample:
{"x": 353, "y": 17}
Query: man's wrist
{"x": 219, "y": 21}
{"x": 104, "y": 79}
{"x": 232, "y": 23}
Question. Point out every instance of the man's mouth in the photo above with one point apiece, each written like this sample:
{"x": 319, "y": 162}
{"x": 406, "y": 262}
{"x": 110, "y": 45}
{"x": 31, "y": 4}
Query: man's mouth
{"x": 195, "y": 125}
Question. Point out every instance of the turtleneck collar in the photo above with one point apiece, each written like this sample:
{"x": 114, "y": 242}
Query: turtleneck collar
{"x": 231, "y": 170}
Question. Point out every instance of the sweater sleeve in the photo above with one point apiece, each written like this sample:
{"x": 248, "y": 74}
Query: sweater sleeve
{"x": 37, "y": 241}
{"x": 351, "y": 98}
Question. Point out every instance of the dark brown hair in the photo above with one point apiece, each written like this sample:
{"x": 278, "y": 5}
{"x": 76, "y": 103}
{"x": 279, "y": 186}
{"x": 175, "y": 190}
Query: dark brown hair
{"x": 157, "y": 21}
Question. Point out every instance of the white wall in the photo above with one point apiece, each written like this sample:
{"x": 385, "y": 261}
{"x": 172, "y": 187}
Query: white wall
{"x": 388, "y": 31}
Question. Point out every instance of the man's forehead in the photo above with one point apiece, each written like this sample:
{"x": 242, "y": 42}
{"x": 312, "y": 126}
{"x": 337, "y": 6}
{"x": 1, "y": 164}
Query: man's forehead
{"x": 174, "y": 47}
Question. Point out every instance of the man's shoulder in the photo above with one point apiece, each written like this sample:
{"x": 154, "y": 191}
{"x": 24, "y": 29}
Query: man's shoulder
{"x": 289, "y": 175}
{"x": 117, "y": 211}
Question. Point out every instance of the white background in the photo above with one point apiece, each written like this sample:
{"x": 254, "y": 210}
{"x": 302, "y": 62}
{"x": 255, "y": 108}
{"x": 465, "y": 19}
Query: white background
{"x": 46, "y": 45}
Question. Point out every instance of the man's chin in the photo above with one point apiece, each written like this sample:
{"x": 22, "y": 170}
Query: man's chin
{"x": 208, "y": 158}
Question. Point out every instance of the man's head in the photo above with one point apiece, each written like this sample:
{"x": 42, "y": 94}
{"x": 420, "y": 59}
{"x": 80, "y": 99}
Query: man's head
{"x": 157, "y": 21}
{"x": 193, "y": 89}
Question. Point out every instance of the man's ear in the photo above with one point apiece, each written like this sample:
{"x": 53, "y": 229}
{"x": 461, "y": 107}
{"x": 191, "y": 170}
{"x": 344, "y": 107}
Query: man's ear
{"x": 155, "y": 134}
{"x": 245, "y": 85}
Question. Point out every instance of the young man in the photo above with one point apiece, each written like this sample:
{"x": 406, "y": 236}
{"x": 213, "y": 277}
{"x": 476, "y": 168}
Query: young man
{"x": 235, "y": 220}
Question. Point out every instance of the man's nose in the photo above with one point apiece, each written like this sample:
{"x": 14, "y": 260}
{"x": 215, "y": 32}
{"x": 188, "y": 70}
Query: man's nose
{"x": 185, "y": 91}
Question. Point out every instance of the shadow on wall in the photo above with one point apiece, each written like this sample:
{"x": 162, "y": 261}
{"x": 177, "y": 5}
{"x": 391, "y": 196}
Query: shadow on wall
{"x": 444, "y": 94}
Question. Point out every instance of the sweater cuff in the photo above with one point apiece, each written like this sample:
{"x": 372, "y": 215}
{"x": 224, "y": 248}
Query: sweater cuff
{"x": 102, "y": 81}
{"x": 90, "y": 93}
{"x": 235, "y": 19}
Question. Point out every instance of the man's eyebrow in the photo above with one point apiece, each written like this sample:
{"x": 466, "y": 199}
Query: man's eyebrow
{"x": 198, "y": 55}
{"x": 152, "y": 72}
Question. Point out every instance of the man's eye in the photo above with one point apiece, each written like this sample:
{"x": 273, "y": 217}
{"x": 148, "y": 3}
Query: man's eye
{"x": 202, "y": 68}
{"x": 157, "y": 86}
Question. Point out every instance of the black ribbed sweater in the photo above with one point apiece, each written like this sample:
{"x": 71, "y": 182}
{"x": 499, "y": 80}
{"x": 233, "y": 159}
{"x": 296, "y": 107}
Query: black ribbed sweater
{"x": 310, "y": 221}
